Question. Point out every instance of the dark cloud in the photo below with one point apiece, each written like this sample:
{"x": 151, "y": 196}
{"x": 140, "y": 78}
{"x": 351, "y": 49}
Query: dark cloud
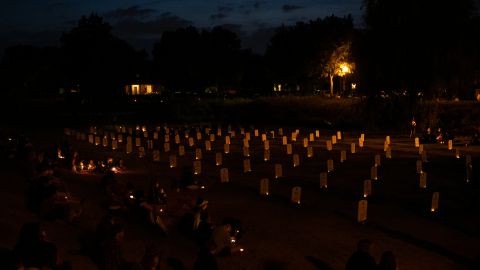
{"x": 131, "y": 12}
{"x": 257, "y": 4}
{"x": 289, "y": 8}
{"x": 217, "y": 16}
{"x": 152, "y": 28}
{"x": 225, "y": 9}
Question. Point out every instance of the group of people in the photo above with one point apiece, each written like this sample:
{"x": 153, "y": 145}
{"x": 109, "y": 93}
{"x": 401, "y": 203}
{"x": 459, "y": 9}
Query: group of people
{"x": 362, "y": 260}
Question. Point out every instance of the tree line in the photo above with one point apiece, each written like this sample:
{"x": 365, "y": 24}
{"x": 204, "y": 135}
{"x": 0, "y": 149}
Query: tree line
{"x": 407, "y": 47}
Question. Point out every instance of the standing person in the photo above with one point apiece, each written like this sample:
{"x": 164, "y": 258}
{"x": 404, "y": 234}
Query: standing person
{"x": 361, "y": 259}
{"x": 151, "y": 259}
{"x": 413, "y": 127}
{"x": 387, "y": 261}
{"x": 205, "y": 259}
{"x": 112, "y": 250}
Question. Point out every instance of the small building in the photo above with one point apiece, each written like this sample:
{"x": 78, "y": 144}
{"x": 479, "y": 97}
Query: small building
{"x": 143, "y": 89}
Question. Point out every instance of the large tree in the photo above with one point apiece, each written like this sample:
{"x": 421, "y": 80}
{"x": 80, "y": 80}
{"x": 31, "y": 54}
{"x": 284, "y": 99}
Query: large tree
{"x": 418, "y": 45}
{"x": 98, "y": 63}
{"x": 305, "y": 52}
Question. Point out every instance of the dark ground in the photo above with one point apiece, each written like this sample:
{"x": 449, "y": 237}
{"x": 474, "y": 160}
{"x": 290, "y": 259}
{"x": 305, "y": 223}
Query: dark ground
{"x": 319, "y": 234}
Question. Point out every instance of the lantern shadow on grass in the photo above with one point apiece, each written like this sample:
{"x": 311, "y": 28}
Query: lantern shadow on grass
{"x": 317, "y": 263}
{"x": 424, "y": 245}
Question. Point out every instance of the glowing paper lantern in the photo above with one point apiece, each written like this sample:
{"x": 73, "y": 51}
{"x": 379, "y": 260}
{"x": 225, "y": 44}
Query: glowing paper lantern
{"x": 181, "y": 150}
{"x": 138, "y": 142}
{"x": 417, "y": 142}
{"x": 255, "y": 132}
{"x": 367, "y": 188}
{"x": 246, "y": 166}
{"x": 266, "y": 145}
{"x": 334, "y": 139}
{"x": 199, "y": 136}
{"x": 212, "y": 137}
{"x": 145, "y": 134}
{"x": 362, "y": 137}
{"x": 227, "y": 139}
{"x": 420, "y": 149}
{"x": 266, "y": 155}
{"x": 389, "y": 152}
{"x": 377, "y": 160}
{"x": 360, "y": 143}
{"x": 305, "y": 142}
{"x": 343, "y": 155}
{"x": 278, "y": 170}
{"x": 219, "y": 132}
{"x": 424, "y": 156}
{"x": 373, "y": 173}
{"x": 224, "y": 175}
{"x": 330, "y": 165}
{"x": 242, "y": 131}
{"x": 387, "y": 140}
{"x": 289, "y": 148}
{"x": 173, "y": 161}
{"x": 468, "y": 159}
{"x": 246, "y": 152}
{"x": 129, "y": 146}
{"x": 423, "y": 180}
{"x": 105, "y": 141}
{"x": 198, "y": 154}
{"x": 177, "y": 139}
{"x": 264, "y": 187}
{"x": 296, "y": 160}
{"x": 311, "y": 137}
{"x": 156, "y": 155}
{"x": 191, "y": 143}
{"x": 264, "y": 137}
{"x": 149, "y": 144}
{"x": 208, "y": 146}
{"x": 469, "y": 172}
{"x": 197, "y": 167}
{"x": 323, "y": 180}
{"x": 294, "y": 137}
{"x": 280, "y": 132}
{"x": 284, "y": 140}
{"x": 352, "y": 148}
{"x": 141, "y": 152}
{"x": 166, "y": 147}
{"x": 246, "y": 143}
{"x": 309, "y": 151}
{"x": 97, "y": 140}
{"x": 450, "y": 144}
{"x": 419, "y": 166}
{"x": 218, "y": 159}
{"x": 329, "y": 145}
{"x": 339, "y": 135}
{"x": 362, "y": 211}
{"x": 247, "y": 136}
{"x": 226, "y": 148}
{"x": 435, "y": 198}
{"x": 296, "y": 195}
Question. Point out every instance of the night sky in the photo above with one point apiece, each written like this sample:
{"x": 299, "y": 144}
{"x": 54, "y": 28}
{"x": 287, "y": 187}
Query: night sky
{"x": 40, "y": 22}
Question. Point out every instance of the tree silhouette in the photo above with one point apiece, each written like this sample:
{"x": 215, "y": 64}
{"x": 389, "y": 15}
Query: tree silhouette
{"x": 412, "y": 48}
{"x": 304, "y": 53}
{"x": 98, "y": 63}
